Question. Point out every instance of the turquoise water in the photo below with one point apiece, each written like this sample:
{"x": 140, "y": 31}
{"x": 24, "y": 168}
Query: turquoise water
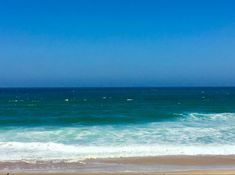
{"x": 78, "y": 123}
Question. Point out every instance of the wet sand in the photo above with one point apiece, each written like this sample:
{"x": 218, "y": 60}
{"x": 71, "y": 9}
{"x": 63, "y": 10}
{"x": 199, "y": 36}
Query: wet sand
{"x": 176, "y": 160}
{"x": 185, "y": 165}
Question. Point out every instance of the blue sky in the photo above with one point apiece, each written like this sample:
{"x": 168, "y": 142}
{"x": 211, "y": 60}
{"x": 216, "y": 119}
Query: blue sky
{"x": 117, "y": 43}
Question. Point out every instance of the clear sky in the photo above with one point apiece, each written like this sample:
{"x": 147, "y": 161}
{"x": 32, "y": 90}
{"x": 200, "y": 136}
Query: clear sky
{"x": 117, "y": 43}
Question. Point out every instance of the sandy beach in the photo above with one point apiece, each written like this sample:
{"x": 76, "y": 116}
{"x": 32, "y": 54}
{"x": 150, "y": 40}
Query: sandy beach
{"x": 135, "y": 165}
{"x": 205, "y": 172}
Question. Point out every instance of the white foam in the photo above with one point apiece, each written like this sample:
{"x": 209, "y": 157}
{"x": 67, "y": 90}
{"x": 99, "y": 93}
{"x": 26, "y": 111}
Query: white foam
{"x": 13, "y": 151}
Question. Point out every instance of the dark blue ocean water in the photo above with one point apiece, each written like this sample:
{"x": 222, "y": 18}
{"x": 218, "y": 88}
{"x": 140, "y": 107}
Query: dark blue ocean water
{"x": 98, "y": 106}
{"x": 76, "y": 123}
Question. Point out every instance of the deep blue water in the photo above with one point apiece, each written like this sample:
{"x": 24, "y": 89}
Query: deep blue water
{"x": 97, "y": 106}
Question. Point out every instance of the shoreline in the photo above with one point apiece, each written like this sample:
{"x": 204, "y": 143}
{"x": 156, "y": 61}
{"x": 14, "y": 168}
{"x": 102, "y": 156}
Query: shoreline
{"x": 129, "y": 165}
{"x": 196, "y": 172}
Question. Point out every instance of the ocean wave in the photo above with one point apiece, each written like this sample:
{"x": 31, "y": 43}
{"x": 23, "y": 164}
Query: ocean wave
{"x": 208, "y": 117}
{"x": 190, "y": 134}
{"x": 153, "y": 133}
{"x": 192, "y": 128}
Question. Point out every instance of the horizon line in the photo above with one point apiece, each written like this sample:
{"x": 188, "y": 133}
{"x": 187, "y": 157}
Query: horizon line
{"x": 100, "y": 87}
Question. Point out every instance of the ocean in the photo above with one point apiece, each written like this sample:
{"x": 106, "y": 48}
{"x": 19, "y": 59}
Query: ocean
{"x": 73, "y": 124}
